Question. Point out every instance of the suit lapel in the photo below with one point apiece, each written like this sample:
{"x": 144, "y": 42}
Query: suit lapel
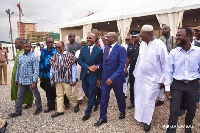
{"x": 93, "y": 52}
{"x": 112, "y": 52}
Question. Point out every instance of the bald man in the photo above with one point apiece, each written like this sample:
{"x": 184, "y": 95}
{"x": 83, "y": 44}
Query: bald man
{"x": 113, "y": 76}
{"x": 170, "y": 43}
{"x": 149, "y": 75}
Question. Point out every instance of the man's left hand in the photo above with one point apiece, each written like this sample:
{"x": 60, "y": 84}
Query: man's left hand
{"x": 161, "y": 85}
{"x": 74, "y": 84}
{"x": 33, "y": 85}
{"x": 109, "y": 82}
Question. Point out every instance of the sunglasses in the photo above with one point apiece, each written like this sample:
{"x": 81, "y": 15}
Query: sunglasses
{"x": 58, "y": 47}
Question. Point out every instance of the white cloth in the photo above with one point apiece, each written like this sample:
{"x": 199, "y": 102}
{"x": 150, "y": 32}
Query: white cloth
{"x": 161, "y": 95}
{"x": 86, "y": 29}
{"x": 123, "y": 26}
{"x": 101, "y": 44}
{"x": 149, "y": 71}
{"x": 37, "y": 52}
{"x": 173, "y": 20}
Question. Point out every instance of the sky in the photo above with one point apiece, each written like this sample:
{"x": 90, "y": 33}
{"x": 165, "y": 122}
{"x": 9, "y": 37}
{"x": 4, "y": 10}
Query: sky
{"x": 49, "y": 14}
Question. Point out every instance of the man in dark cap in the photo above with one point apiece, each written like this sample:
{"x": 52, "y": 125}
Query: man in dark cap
{"x": 132, "y": 54}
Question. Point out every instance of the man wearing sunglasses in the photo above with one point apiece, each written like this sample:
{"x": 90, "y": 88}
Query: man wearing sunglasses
{"x": 90, "y": 55}
{"x": 64, "y": 77}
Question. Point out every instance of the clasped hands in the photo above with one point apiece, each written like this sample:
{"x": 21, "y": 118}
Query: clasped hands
{"x": 93, "y": 68}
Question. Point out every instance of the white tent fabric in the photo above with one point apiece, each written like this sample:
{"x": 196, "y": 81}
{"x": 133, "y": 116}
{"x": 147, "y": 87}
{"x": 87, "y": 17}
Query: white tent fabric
{"x": 86, "y": 29}
{"x": 174, "y": 20}
{"x": 142, "y": 8}
{"x": 123, "y": 26}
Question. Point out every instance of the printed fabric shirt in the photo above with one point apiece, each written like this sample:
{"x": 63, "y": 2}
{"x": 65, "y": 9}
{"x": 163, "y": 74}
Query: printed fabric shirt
{"x": 44, "y": 62}
{"x": 27, "y": 69}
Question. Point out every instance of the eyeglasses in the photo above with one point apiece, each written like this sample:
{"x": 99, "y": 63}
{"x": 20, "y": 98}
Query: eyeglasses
{"x": 50, "y": 42}
{"x": 88, "y": 38}
{"x": 196, "y": 30}
{"x": 58, "y": 47}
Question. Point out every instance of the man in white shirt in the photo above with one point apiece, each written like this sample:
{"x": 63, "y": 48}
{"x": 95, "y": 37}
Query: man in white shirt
{"x": 149, "y": 75}
{"x": 181, "y": 80}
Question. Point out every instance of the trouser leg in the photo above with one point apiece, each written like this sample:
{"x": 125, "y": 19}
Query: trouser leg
{"x": 132, "y": 80}
{"x": 60, "y": 97}
{"x": 20, "y": 96}
{"x": 191, "y": 96}
{"x": 70, "y": 94}
{"x": 1, "y": 68}
{"x": 120, "y": 96}
{"x": 50, "y": 93}
{"x": 175, "y": 102}
{"x": 105, "y": 92}
{"x": 37, "y": 96}
{"x": 5, "y": 72}
{"x": 92, "y": 90}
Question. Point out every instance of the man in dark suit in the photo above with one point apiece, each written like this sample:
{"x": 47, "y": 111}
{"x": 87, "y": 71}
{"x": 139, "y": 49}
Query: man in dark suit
{"x": 90, "y": 56}
{"x": 113, "y": 76}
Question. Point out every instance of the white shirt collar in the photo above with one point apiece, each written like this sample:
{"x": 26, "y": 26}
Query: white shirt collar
{"x": 113, "y": 44}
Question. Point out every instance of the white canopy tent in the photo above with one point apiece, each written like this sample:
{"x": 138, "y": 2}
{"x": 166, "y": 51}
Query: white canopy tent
{"x": 167, "y": 12}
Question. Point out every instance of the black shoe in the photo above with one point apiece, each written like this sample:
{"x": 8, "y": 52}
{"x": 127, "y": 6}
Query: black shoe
{"x": 101, "y": 121}
{"x": 182, "y": 112}
{"x": 95, "y": 108}
{"x": 57, "y": 114}
{"x": 76, "y": 108}
{"x": 85, "y": 117}
{"x": 37, "y": 111}
{"x": 27, "y": 106}
{"x": 3, "y": 129}
{"x": 12, "y": 115}
{"x": 122, "y": 115}
{"x": 188, "y": 129}
{"x": 48, "y": 110}
{"x": 147, "y": 127}
{"x": 67, "y": 106}
{"x": 130, "y": 106}
{"x": 159, "y": 103}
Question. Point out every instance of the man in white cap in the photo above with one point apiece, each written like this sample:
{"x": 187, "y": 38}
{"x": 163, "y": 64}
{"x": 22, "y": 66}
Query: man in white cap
{"x": 149, "y": 75}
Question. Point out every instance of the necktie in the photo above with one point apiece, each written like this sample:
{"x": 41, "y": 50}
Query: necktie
{"x": 108, "y": 51}
{"x": 98, "y": 43}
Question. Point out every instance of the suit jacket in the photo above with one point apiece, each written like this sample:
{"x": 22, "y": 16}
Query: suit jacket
{"x": 113, "y": 67}
{"x": 85, "y": 60}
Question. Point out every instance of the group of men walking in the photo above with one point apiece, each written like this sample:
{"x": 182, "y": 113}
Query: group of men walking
{"x": 155, "y": 66}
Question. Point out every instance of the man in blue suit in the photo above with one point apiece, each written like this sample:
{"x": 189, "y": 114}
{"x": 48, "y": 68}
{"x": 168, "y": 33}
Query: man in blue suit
{"x": 113, "y": 76}
{"x": 90, "y": 56}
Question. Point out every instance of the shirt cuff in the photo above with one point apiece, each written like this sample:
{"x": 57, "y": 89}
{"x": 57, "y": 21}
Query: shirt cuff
{"x": 167, "y": 88}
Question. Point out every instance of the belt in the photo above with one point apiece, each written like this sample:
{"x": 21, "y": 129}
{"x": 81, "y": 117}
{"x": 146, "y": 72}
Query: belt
{"x": 187, "y": 81}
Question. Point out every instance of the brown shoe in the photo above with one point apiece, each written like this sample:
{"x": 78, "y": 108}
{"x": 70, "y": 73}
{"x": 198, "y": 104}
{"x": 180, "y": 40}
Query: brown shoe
{"x": 159, "y": 103}
{"x": 27, "y": 106}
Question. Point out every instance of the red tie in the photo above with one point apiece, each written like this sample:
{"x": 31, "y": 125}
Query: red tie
{"x": 98, "y": 43}
{"x": 108, "y": 50}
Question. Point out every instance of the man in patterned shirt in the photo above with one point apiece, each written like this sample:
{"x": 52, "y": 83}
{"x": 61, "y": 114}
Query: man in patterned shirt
{"x": 27, "y": 78}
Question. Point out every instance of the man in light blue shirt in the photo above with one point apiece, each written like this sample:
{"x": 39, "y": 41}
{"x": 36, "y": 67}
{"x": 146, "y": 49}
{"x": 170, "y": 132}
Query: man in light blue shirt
{"x": 181, "y": 81}
{"x": 27, "y": 78}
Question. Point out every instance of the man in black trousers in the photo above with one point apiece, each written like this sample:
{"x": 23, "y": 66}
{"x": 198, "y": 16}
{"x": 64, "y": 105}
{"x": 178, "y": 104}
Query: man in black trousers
{"x": 181, "y": 81}
{"x": 132, "y": 54}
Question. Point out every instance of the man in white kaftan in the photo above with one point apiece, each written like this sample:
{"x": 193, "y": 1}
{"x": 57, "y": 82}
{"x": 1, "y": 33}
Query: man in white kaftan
{"x": 149, "y": 75}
